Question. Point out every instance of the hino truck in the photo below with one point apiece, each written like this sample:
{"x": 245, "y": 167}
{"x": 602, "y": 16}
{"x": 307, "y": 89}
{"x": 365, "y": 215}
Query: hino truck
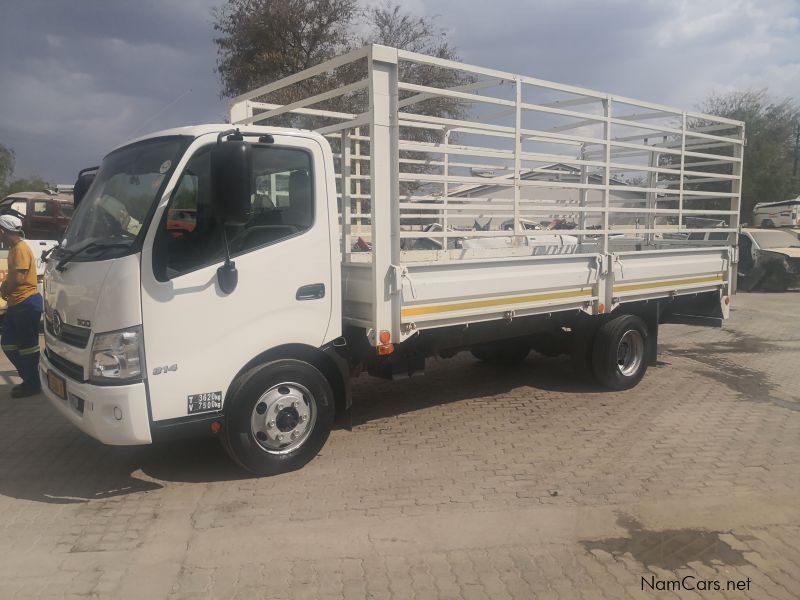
{"x": 230, "y": 279}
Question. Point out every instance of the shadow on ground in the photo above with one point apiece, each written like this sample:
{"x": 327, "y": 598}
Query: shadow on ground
{"x": 48, "y": 460}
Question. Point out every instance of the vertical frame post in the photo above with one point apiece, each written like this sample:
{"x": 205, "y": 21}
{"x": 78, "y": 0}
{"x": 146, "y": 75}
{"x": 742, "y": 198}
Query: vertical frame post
{"x": 606, "y": 172}
{"x": 583, "y": 196}
{"x": 240, "y": 111}
{"x": 384, "y": 191}
{"x": 517, "y": 154}
{"x": 736, "y": 205}
{"x": 347, "y": 243}
{"x": 445, "y": 192}
{"x": 683, "y": 166}
{"x": 358, "y": 161}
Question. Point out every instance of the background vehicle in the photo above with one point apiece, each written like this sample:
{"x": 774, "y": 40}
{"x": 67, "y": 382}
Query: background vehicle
{"x": 777, "y": 214}
{"x": 295, "y": 311}
{"x": 44, "y": 215}
{"x": 769, "y": 259}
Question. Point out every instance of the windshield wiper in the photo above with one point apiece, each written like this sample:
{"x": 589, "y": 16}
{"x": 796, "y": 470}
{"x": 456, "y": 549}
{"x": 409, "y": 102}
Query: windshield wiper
{"x": 94, "y": 246}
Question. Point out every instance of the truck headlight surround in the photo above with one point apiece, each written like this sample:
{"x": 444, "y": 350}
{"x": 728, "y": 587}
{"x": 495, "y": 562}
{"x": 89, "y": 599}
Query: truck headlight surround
{"x": 118, "y": 357}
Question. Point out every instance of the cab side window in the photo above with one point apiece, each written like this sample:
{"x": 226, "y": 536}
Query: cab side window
{"x": 21, "y": 206}
{"x": 43, "y": 208}
{"x": 190, "y": 236}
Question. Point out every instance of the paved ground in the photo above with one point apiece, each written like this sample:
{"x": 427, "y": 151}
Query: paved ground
{"x": 471, "y": 482}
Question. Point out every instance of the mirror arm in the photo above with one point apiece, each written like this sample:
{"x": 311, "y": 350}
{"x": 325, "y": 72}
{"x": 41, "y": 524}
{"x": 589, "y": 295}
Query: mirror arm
{"x": 230, "y": 133}
{"x": 227, "y": 275}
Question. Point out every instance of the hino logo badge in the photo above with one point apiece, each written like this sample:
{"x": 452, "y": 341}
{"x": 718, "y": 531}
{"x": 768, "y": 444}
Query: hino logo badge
{"x": 57, "y": 324}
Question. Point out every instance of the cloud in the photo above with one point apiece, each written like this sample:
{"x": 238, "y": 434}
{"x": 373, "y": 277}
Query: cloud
{"x": 79, "y": 77}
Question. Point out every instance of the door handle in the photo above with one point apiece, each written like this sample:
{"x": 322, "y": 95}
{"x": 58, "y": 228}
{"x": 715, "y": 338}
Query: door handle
{"x": 313, "y": 291}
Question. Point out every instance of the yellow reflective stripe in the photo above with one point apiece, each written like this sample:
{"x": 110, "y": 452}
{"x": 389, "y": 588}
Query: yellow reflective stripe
{"x": 669, "y": 283}
{"x": 31, "y": 350}
{"x": 10, "y": 347}
{"x": 426, "y": 310}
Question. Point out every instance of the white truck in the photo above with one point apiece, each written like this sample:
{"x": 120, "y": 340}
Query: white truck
{"x": 785, "y": 213}
{"x": 246, "y": 317}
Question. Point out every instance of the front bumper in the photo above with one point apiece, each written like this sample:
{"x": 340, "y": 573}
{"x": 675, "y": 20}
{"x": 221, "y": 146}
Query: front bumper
{"x": 114, "y": 415}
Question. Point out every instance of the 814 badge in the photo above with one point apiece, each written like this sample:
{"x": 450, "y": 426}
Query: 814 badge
{"x": 205, "y": 402}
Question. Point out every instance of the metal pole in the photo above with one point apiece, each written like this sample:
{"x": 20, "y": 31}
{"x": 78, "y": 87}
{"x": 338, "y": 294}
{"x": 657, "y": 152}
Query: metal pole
{"x": 517, "y": 154}
{"x": 384, "y": 190}
{"x": 446, "y": 192}
{"x": 347, "y": 243}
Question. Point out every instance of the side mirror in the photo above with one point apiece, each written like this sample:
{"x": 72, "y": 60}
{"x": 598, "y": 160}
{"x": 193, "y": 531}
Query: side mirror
{"x": 231, "y": 181}
{"x": 82, "y": 185}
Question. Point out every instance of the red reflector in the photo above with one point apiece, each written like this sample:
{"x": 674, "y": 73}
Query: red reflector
{"x": 601, "y": 308}
{"x": 216, "y": 426}
{"x": 385, "y": 349}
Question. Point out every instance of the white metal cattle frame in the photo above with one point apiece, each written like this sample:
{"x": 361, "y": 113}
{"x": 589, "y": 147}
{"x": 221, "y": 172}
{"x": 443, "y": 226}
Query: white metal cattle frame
{"x": 652, "y": 192}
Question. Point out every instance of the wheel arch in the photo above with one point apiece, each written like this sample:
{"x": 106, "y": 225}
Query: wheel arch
{"x": 325, "y": 359}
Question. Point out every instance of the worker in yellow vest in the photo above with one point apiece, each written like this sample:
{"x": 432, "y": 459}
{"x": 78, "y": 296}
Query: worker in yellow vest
{"x": 20, "y": 340}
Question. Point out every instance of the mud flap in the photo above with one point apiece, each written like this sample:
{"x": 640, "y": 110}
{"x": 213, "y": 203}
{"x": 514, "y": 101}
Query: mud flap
{"x": 706, "y": 310}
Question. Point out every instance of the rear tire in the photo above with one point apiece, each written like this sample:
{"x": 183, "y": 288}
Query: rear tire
{"x": 620, "y": 352}
{"x": 279, "y": 417}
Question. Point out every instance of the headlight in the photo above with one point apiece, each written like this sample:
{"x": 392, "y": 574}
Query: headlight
{"x": 117, "y": 356}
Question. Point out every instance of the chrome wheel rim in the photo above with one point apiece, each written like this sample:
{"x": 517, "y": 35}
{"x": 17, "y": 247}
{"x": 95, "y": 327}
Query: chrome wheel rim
{"x": 630, "y": 352}
{"x": 283, "y": 418}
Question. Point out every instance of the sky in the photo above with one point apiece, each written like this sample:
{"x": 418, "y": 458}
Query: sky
{"x": 79, "y": 77}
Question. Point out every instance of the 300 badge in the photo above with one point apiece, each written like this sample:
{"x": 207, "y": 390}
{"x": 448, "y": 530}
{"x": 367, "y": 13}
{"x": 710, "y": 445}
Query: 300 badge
{"x": 205, "y": 402}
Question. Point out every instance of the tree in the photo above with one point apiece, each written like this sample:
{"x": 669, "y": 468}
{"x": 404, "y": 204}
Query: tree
{"x": 8, "y": 185}
{"x": 771, "y": 126}
{"x": 34, "y": 183}
{"x": 7, "y": 161}
{"x": 265, "y": 40}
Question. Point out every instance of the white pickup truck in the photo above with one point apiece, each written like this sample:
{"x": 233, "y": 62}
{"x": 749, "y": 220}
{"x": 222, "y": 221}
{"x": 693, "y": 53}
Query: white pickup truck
{"x": 248, "y": 318}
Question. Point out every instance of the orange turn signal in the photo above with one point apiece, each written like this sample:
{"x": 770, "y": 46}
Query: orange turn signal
{"x": 385, "y": 337}
{"x": 601, "y": 308}
{"x": 385, "y": 349}
{"x": 727, "y": 300}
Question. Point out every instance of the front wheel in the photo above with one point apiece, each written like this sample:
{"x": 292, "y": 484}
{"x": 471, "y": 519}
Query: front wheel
{"x": 620, "y": 351}
{"x": 279, "y": 417}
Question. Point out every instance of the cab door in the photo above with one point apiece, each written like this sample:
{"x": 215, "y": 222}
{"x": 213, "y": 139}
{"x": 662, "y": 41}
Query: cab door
{"x": 197, "y": 337}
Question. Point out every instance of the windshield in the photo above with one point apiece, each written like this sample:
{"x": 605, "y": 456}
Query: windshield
{"x": 775, "y": 239}
{"x": 122, "y": 195}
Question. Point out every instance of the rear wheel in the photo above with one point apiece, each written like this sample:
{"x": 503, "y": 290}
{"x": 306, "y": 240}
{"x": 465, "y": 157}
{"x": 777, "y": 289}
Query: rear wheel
{"x": 620, "y": 351}
{"x": 279, "y": 417}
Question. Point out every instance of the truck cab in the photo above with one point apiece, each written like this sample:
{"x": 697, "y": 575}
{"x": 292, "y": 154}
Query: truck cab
{"x": 138, "y": 306}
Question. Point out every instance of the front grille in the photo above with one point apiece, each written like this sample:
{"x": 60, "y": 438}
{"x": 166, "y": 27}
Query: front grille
{"x": 70, "y": 334}
{"x": 69, "y": 368}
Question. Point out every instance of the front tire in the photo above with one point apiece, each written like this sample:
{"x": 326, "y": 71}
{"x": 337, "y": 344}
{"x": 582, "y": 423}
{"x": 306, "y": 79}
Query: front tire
{"x": 279, "y": 417}
{"x": 620, "y": 351}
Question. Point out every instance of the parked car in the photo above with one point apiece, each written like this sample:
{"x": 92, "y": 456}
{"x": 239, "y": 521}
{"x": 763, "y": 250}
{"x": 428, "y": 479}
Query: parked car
{"x": 777, "y": 214}
{"x": 769, "y": 259}
{"x": 44, "y": 215}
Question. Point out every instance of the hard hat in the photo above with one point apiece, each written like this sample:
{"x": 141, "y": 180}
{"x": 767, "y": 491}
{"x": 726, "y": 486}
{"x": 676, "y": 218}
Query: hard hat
{"x": 11, "y": 223}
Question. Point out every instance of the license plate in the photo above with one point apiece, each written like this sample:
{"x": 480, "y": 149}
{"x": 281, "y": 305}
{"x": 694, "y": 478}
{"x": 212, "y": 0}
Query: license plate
{"x": 57, "y": 385}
